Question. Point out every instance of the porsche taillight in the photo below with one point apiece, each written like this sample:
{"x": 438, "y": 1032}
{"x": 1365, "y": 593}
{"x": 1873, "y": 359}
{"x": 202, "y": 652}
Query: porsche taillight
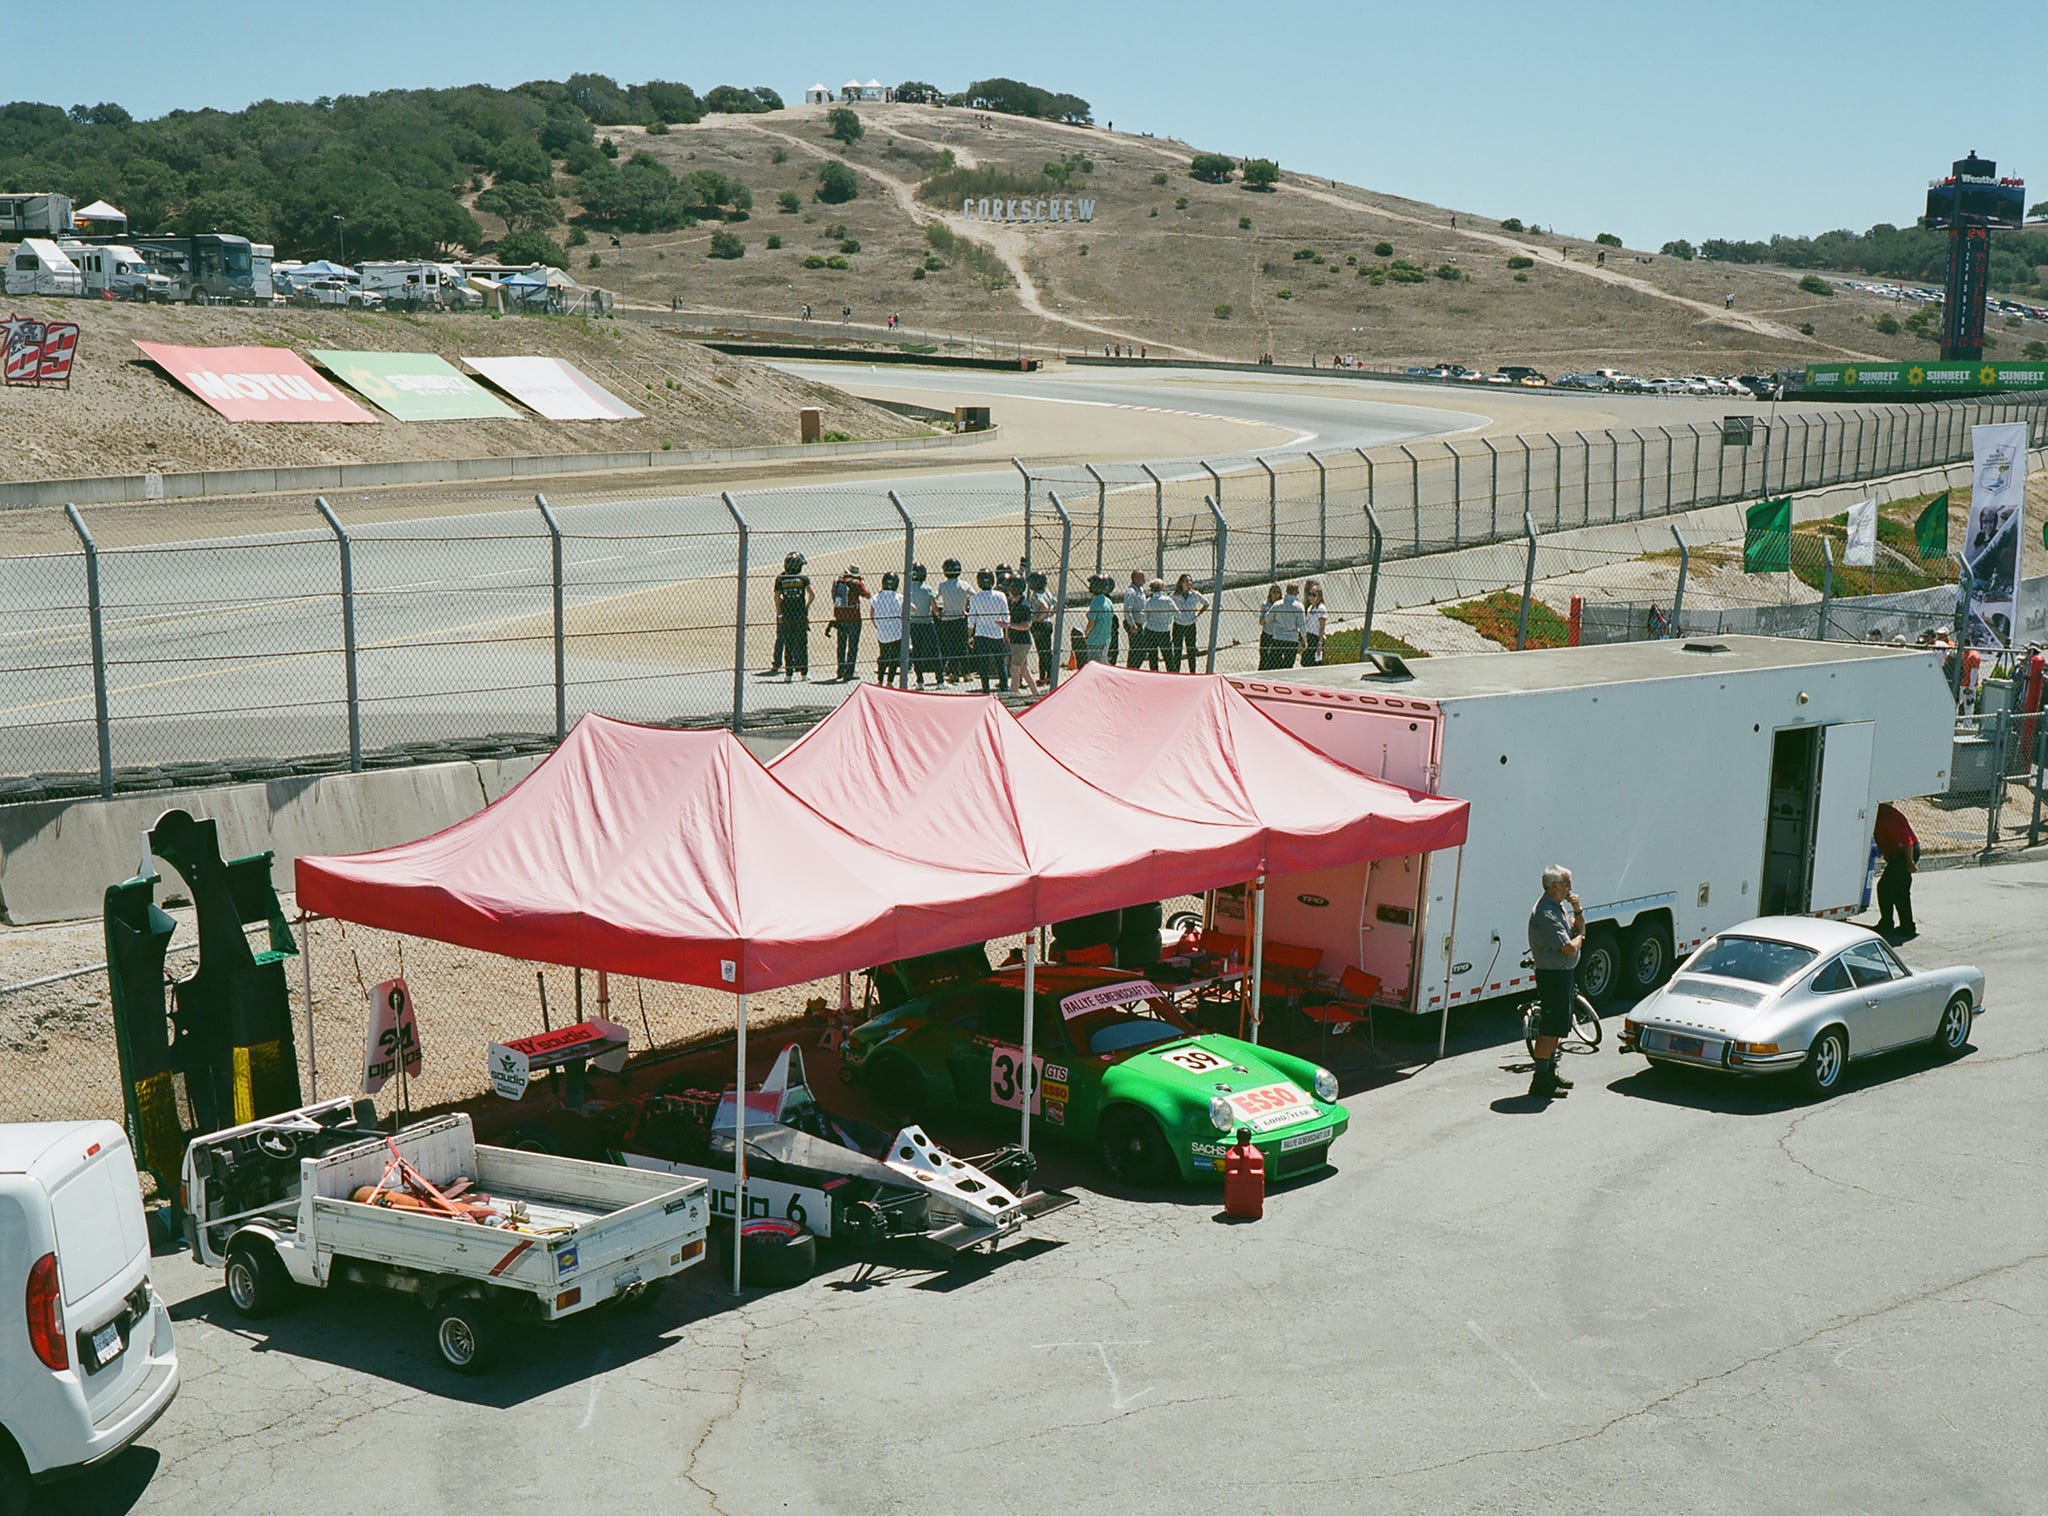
{"x": 45, "y": 1305}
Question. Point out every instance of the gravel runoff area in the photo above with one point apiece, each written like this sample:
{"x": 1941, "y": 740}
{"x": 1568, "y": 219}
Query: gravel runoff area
{"x": 1682, "y": 1296}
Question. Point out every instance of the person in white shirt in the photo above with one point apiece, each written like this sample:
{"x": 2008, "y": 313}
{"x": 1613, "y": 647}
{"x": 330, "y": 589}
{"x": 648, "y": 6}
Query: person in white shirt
{"x": 1315, "y": 618}
{"x": 1134, "y": 620}
{"x": 1283, "y": 627}
{"x": 988, "y": 621}
{"x": 1159, "y": 613}
{"x": 1266, "y": 614}
{"x": 885, "y": 611}
{"x": 1188, "y": 605}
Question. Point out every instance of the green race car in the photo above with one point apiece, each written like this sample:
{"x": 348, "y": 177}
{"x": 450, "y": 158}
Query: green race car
{"x": 1112, "y": 1063}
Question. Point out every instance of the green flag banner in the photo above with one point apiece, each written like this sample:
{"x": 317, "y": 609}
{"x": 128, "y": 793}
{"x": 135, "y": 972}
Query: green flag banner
{"x": 1767, "y": 537}
{"x": 414, "y": 386}
{"x": 1930, "y": 529}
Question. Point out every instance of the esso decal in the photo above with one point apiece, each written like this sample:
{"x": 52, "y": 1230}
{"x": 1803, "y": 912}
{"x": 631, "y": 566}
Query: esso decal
{"x": 1006, "y": 1079}
{"x": 1271, "y": 1105}
{"x": 1195, "y": 1060}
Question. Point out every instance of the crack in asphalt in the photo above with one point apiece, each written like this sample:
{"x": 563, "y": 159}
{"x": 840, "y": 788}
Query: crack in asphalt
{"x": 1705, "y": 1379}
{"x": 1785, "y": 1138}
{"x": 739, "y": 1390}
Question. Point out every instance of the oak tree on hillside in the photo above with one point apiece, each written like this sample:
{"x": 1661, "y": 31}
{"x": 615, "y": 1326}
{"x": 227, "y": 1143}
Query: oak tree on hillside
{"x": 917, "y": 92}
{"x": 1678, "y": 247}
{"x": 1211, "y": 168}
{"x": 1261, "y": 173}
{"x": 522, "y": 207}
{"x": 522, "y": 248}
{"x": 837, "y": 184}
{"x": 844, "y": 125}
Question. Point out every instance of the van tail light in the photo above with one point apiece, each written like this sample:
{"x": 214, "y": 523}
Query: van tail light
{"x": 46, "y": 1314}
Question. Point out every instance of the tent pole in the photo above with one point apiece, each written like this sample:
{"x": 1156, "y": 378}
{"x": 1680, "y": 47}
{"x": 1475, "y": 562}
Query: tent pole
{"x": 1258, "y": 949}
{"x": 306, "y": 967}
{"x": 846, "y": 992}
{"x": 739, "y": 1146}
{"x": 1028, "y": 1085}
{"x": 1443, "y": 1026}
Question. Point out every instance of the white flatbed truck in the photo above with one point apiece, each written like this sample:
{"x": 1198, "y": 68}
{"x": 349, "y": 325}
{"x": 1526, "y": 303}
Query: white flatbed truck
{"x": 1688, "y": 785}
{"x": 312, "y": 1197}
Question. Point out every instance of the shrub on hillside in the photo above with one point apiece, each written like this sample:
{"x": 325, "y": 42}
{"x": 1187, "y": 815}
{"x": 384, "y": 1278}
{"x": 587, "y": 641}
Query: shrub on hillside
{"x": 1449, "y": 272}
{"x": 1211, "y": 168}
{"x": 727, "y": 244}
{"x": 1518, "y": 261}
{"x": 814, "y": 260}
{"x": 789, "y": 202}
{"x": 1521, "y": 278}
{"x": 1806, "y": 330}
{"x": 780, "y": 155}
{"x": 843, "y": 125}
{"x": 1607, "y": 239}
{"x": 850, "y": 245}
{"x": 837, "y": 184}
{"x": 1512, "y": 224}
{"x": 1307, "y": 255}
{"x": 1383, "y": 250}
{"x": 1888, "y": 324}
{"x": 524, "y": 248}
{"x": 835, "y": 261}
{"x": 1180, "y": 203}
{"x": 940, "y": 236}
{"x": 1261, "y": 173}
{"x": 1244, "y": 223}
{"x": 918, "y": 272}
{"x": 774, "y": 241}
{"x": 1679, "y": 248}
{"x": 1160, "y": 177}
{"x": 1284, "y": 295}
{"x": 933, "y": 265}
{"x": 657, "y": 128}
{"x": 1222, "y": 313}
{"x": 2035, "y": 351}
{"x": 1813, "y": 284}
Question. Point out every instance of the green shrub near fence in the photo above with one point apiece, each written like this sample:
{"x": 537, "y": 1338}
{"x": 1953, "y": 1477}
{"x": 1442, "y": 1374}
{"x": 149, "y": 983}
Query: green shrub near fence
{"x": 1497, "y": 617}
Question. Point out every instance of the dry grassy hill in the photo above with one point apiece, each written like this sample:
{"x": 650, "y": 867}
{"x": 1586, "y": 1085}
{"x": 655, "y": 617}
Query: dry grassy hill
{"x": 122, "y": 416}
{"x": 1151, "y": 269}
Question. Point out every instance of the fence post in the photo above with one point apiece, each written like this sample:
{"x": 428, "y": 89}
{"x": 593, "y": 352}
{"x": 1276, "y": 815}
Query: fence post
{"x": 1721, "y": 471}
{"x": 1322, "y": 515}
{"x": 1019, "y": 467}
{"x": 1823, "y": 480}
{"x": 910, "y": 557}
{"x": 1457, "y": 495}
{"x": 1996, "y": 802}
{"x": 561, "y": 651}
{"x": 348, "y": 636}
{"x": 1365, "y": 458}
{"x": 1613, "y": 478}
{"x": 1528, "y": 586}
{"x": 1769, "y": 427}
{"x": 1492, "y": 490}
{"x": 1216, "y": 594}
{"x": 1678, "y": 600}
{"x": 1372, "y": 583}
{"x": 1101, "y": 510}
{"x": 1827, "y": 589}
{"x": 1556, "y": 481}
{"x": 1586, "y": 479}
{"x": 1670, "y": 468}
{"x": 1414, "y": 494}
{"x": 96, "y": 624}
{"x": 1059, "y": 615}
{"x": 739, "y": 629}
{"x": 1272, "y": 519}
{"x": 1158, "y": 521}
{"x": 1805, "y": 446}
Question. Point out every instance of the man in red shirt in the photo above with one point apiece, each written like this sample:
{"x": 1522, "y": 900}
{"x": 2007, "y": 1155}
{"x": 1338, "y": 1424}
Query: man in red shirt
{"x": 1900, "y": 850}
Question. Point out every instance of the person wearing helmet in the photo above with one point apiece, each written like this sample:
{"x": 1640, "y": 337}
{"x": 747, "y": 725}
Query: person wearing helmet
{"x": 793, "y": 619}
{"x": 848, "y": 591}
{"x": 988, "y": 617}
{"x": 885, "y": 610}
{"x": 921, "y": 609}
{"x": 951, "y": 597}
{"x": 1041, "y": 622}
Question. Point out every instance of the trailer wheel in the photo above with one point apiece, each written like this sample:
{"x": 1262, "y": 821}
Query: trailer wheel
{"x": 533, "y": 1138}
{"x": 1646, "y": 960}
{"x": 465, "y": 1334}
{"x": 258, "y": 1285}
{"x": 1600, "y": 965}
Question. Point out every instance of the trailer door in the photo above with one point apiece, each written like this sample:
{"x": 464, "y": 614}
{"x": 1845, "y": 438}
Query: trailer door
{"x": 1841, "y": 829}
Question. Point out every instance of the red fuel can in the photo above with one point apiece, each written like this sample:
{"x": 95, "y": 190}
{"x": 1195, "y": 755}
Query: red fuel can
{"x": 1244, "y": 1179}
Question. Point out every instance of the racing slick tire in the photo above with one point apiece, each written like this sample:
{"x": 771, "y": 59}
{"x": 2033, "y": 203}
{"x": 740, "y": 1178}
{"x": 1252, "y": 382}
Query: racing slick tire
{"x": 776, "y": 1252}
{"x": 257, "y": 1283}
{"x": 466, "y": 1333}
{"x": 1133, "y": 1148}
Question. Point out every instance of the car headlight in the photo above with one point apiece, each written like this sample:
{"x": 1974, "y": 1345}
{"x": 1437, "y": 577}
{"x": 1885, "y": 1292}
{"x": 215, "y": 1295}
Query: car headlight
{"x": 1326, "y": 1086}
{"x": 1221, "y": 1116}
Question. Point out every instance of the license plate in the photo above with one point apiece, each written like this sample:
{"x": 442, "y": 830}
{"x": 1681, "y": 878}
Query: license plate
{"x": 1691, "y": 1047}
{"x": 1302, "y": 1140}
{"x": 106, "y": 1342}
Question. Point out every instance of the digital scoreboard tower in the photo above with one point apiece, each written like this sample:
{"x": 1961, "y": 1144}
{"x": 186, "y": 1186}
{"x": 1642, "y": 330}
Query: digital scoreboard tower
{"x": 1968, "y": 204}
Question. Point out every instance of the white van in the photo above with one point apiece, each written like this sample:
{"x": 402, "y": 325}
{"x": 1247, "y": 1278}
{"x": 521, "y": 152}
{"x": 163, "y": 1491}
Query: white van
{"x": 86, "y": 1358}
{"x": 121, "y": 271}
{"x": 39, "y": 267}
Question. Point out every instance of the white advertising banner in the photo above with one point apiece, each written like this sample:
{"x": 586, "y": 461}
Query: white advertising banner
{"x": 1861, "y": 549}
{"x": 558, "y": 390}
{"x": 1991, "y": 534}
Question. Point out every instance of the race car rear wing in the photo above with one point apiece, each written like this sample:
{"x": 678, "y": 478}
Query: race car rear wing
{"x": 513, "y": 1064}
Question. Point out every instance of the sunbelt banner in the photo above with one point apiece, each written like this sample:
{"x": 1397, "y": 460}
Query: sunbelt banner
{"x": 414, "y": 386}
{"x": 1926, "y": 378}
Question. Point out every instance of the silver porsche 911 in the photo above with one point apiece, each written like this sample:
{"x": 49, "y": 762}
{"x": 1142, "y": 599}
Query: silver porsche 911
{"x": 1796, "y": 995}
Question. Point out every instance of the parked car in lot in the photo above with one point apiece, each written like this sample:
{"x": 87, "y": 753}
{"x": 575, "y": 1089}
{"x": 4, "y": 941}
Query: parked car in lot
{"x": 337, "y": 292}
{"x": 87, "y": 1363}
{"x": 1518, "y": 373}
{"x": 1802, "y": 996}
{"x": 1762, "y": 387}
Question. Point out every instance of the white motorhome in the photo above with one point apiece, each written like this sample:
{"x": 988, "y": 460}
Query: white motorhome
{"x": 121, "y": 272}
{"x": 262, "y": 256}
{"x": 1687, "y": 785}
{"x": 415, "y": 285}
{"x": 40, "y": 267}
{"x": 32, "y": 215}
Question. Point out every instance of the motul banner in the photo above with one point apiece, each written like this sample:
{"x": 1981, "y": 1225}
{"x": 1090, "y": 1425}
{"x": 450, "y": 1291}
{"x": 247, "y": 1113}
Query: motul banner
{"x": 255, "y": 383}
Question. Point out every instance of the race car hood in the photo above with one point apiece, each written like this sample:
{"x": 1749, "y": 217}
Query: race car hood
{"x": 1196, "y": 1069}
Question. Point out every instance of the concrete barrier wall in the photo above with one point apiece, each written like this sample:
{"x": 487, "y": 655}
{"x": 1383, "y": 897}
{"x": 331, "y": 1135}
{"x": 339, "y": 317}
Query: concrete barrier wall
{"x": 58, "y": 856}
{"x": 122, "y": 489}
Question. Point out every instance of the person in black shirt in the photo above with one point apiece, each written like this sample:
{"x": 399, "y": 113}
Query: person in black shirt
{"x": 793, "y": 617}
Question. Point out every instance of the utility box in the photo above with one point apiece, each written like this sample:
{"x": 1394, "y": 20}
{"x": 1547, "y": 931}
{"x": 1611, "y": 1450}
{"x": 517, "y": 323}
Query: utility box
{"x": 810, "y": 423}
{"x": 970, "y": 418}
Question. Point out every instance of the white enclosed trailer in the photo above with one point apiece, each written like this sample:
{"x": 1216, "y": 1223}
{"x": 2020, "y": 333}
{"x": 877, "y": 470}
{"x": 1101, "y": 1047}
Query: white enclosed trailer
{"x": 40, "y": 267}
{"x": 1687, "y": 785}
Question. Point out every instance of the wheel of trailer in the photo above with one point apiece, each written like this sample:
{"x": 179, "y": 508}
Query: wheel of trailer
{"x": 776, "y": 1252}
{"x": 533, "y": 1139}
{"x": 257, "y": 1283}
{"x": 1132, "y": 1147}
{"x": 1600, "y": 965}
{"x": 465, "y": 1334}
{"x": 1646, "y": 957}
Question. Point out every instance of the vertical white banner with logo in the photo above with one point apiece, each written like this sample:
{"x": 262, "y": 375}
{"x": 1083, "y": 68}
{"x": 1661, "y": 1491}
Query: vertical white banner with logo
{"x": 391, "y": 1039}
{"x": 1860, "y": 548}
{"x": 1991, "y": 535}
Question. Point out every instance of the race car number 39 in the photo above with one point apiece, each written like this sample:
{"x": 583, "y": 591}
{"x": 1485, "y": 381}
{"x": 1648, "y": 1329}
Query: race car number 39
{"x": 1007, "y": 1081}
{"x": 1195, "y": 1060}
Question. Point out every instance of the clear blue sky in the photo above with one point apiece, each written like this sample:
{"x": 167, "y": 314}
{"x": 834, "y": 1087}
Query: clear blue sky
{"x": 1734, "y": 118}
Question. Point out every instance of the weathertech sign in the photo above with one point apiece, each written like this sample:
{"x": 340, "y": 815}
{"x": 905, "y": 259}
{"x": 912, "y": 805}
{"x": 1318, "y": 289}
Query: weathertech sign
{"x": 255, "y": 383}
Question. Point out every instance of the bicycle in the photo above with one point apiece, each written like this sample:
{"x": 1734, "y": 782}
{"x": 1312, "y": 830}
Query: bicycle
{"x": 1585, "y": 1032}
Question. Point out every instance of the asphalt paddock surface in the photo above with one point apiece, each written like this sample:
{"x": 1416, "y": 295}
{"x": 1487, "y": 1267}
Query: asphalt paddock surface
{"x": 1668, "y": 1295}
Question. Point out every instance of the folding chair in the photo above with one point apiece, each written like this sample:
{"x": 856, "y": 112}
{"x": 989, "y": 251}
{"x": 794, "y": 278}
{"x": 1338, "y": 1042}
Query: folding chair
{"x": 1351, "y": 1005}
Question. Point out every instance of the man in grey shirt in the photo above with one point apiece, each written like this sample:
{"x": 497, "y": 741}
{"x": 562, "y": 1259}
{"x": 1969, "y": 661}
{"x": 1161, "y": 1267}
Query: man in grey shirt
{"x": 1557, "y": 933}
{"x": 1284, "y": 624}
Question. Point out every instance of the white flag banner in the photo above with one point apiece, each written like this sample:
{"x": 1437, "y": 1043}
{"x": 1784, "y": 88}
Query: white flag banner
{"x": 1991, "y": 533}
{"x": 391, "y": 1036}
{"x": 1861, "y": 550}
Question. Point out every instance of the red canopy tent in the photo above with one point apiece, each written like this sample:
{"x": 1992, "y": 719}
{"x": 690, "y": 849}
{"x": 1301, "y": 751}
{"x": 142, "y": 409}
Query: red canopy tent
{"x": 1148, "y": 736}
